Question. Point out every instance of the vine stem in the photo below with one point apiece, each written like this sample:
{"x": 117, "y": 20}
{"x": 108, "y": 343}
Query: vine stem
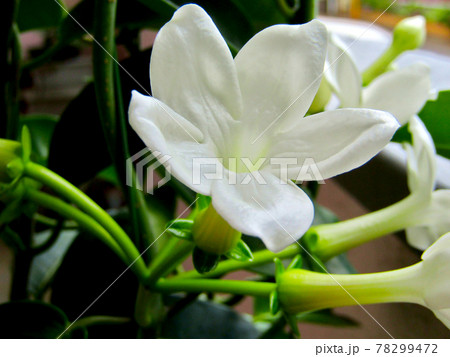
{"x": 215, "y": 286}
{"x": 45, "y": 200}
{"x": 73, "y": 194}
{"x": 227, "y": 266}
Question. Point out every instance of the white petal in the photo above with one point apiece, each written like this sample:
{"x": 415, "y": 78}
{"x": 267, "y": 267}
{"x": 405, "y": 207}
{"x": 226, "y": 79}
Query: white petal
{"x": 279, "y": 72}
{"x": 333, "y": 142}
{"x": 277, "y": 212}
{"x": 402, "y": 92}
{"x": 430, "y": 222}
{"x": 193, "y": 72}
{"x": 342, "y": 74}
{"x": 164, "y": 131}
{"x": 421, "y": 159}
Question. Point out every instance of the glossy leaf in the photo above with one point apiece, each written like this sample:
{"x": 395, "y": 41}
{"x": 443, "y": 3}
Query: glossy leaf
{"x": 46, "y": 264}
{"x": 241, "y": 252}
{"x": 205, "y": 319}
{"x": 296, "y": 263}
{"x": 39, "y": 14}
{"x": 274, "y": 302}
{"x": 31, "y": 319}
{"x": 181, "y": 228}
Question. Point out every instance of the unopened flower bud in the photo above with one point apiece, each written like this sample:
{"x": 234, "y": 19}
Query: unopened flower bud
{"x": 409, "y": 33}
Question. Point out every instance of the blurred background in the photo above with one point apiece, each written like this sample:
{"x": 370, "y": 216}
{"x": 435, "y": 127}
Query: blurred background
{"x": 50, "y": 87}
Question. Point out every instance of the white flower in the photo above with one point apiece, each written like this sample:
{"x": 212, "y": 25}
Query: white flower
{"x": 401, "y": 92}
{"x": 434, "y": 278}
{"x": 431, "y": 218}
{"x": 206, "y": 104}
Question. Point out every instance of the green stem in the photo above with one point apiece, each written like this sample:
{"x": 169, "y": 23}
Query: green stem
{"x": 84, "y": 221}
{"x": 103, "y": 66}
{"x": 380, "y": 65}
{"x": 43, "y": 58}
{"x": 302, "y": 290}
{"x": 99, "y": 320}
{"x": 227, "y": 266}
{"x": 73, "y": 194}
{"x": 174, "y": 253}
{"x": 306, "y": 13}
{"x": 329, "y": 240}
{"x": 215, "y": 286}
{"x": 140, "y": 219}
{"x": 13, "y": 85}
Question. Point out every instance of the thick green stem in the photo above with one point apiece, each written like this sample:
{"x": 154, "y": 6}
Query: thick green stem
{"x": 302, "y": 290}
{"x": 84, "y": 221}
{"x": 215, "y": 286}
{"x": 227, "y": 266}
{"x": 73, "y": 194}
{"x": 103, "y": 50}
{"x": 329, "y": 240}
{"x": 174, "y": 253}
{"x": 380, "y": 65}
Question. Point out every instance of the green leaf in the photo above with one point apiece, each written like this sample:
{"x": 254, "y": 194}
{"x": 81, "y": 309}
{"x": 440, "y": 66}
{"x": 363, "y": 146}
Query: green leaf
{"x": 205, "y": 319}
{"x": 326, "y": 317}
{"x": 436, "y": 116}
{"x": 31, "y": 319}
{"x": 46, "y": 264}
{"x": 241, "y": 252}
{"x": 41, "y": 127}
{"x": 204, "y": 262}
{"x": 26, "y": 144}
{"x": 39, "y": 14}
{"x": 181, "y": 228}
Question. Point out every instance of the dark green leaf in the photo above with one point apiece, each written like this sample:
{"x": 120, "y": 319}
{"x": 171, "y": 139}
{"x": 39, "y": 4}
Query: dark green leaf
{"x": 46, "y": 264}
{"x": 31, "y": 319}
{"x": 39, "y": 14}
{"x": 204, "y": 319}
{"x": 204, "y": 262}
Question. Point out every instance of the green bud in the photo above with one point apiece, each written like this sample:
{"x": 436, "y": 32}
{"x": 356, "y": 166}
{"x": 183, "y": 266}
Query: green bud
{"x": 10, "y": 160}
{"x": 212, "y": 234}
{"x": 409, "y": 33}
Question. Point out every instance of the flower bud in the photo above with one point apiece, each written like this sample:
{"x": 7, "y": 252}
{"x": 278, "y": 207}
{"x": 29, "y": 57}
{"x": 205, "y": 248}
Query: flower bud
{"x": 10, "y": 156}
{"x": 212, "y": 234}
{"x": 409, "y": 33}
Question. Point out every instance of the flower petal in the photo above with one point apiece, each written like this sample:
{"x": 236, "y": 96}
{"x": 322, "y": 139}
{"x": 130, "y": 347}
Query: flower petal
{"x": 332, "y": 142}
{"x": 342, "y": 74}
{"x": 193, "y": 72}
{"x": 279, "y": 72}
{"x": 421, "y": 159}
{"x": 402, "y": 92}
{"x": 164, "y": 131}
{"x": 432, "y": 221}
{"x": 277, "y": 212}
